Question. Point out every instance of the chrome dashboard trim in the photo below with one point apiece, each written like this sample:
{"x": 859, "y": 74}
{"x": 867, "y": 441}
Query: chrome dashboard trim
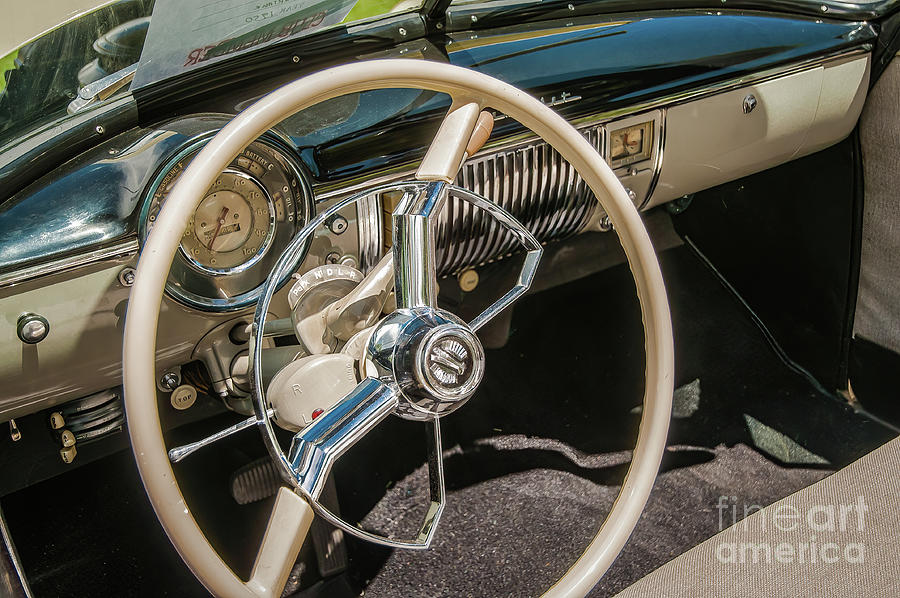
{"x": 531, "y": 181}
{"x": 326, "y": 192}
{"x": 370, "y": 232}
{"x": 660, "y": 150}
{"x": 122, "y": 249}
{"x": 723, "y": 86}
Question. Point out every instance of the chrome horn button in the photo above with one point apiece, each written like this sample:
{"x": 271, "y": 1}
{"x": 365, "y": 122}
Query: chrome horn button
{"x": 450, "y": 362}
{"x": 432, "y": 356}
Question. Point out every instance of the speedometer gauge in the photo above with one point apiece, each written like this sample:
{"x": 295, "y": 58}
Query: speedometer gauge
{"x": 232, "y": 226}
{"x": 238, "y": 230}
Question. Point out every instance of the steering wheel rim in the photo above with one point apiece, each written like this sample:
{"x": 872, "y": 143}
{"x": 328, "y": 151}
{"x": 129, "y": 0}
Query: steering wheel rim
{"x": 292, "y": 515}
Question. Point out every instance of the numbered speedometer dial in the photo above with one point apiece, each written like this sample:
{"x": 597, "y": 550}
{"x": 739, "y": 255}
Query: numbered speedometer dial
{"x": 232, "y": 227}
{"x": 239, "y": 228}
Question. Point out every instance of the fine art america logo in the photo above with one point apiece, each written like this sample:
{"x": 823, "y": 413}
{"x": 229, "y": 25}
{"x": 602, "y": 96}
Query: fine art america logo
{"x": 789, "y": 534}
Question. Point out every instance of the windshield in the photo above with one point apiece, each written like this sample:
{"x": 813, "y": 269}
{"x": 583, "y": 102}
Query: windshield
{"x": 131, "y": 43}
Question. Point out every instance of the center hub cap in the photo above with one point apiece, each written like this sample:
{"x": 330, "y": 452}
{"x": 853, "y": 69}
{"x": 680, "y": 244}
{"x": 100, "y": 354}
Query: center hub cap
{"x": 450, "y": 362}
{"x": 433, "y": 357}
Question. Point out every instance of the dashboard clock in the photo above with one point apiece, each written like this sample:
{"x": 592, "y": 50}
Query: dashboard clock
{"x": 630, "y": 144}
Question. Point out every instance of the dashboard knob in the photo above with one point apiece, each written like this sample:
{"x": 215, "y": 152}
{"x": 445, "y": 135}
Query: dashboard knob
{"x": 67, "y": 439}
{"x": 468, "y": 280}
{"x": 749, "y": 103}
{"x": 57, "y": 421}
{"x": 183, "y": 397}
{"x": 337, "y": 224}
{"x": 170, "y": 381}
{"x": 349, "y": 261}
{"x": 67, "y": 454}
{"x": 32, "y": 328}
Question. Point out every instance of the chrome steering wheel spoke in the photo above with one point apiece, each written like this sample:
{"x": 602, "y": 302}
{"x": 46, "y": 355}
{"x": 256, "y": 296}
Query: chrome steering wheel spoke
{"x": 436, "y": 487}
{"x": 462, "y": 133}
{"x": 413, "y": 219}
{"x": 316, "y": 447}
{"x": 415, "y": 274}
{"x": 533, "y": 254}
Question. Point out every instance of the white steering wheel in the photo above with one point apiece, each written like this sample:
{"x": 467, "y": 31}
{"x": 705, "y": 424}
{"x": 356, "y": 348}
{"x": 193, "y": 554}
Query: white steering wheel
{"x": 397, "y": 379}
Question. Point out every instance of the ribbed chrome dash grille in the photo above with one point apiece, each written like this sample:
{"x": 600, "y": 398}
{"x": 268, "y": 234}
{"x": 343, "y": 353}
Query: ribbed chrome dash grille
{"x": 532, "y": 182}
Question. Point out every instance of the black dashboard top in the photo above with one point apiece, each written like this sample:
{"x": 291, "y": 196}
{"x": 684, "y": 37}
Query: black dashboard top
{"x": 609, "y": 63}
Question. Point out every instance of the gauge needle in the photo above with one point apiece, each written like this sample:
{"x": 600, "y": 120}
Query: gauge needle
{"x": 219, "y": 224}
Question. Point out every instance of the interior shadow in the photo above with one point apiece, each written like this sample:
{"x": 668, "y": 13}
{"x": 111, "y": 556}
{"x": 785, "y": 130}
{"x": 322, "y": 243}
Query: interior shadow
{"x": 480, "y": 463}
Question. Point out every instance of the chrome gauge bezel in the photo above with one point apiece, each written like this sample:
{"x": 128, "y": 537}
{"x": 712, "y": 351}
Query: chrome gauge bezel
{"x": 229, "y": 289}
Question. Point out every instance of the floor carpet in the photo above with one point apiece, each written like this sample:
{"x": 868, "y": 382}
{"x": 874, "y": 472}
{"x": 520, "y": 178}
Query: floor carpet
{"x": 535, "y": 460}
{"x": 514, "y": 535}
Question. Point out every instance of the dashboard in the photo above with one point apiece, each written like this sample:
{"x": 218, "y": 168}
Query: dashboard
{"x": 729, "y": 94}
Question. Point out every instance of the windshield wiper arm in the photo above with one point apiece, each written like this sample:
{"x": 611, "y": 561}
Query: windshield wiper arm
{"x": 101, "y": 89}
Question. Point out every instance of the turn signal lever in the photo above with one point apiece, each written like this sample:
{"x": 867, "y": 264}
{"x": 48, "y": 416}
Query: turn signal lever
{"x": 483, "y": 128}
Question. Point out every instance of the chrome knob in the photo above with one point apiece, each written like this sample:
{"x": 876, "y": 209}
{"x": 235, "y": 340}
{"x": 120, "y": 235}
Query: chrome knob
{"x": 337, "y": 224}
{"x": 749, "y": 103}
{"x": 32, "y": 328}
{"x": 126, "y": 277}
{"x": 170, "y": 381}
